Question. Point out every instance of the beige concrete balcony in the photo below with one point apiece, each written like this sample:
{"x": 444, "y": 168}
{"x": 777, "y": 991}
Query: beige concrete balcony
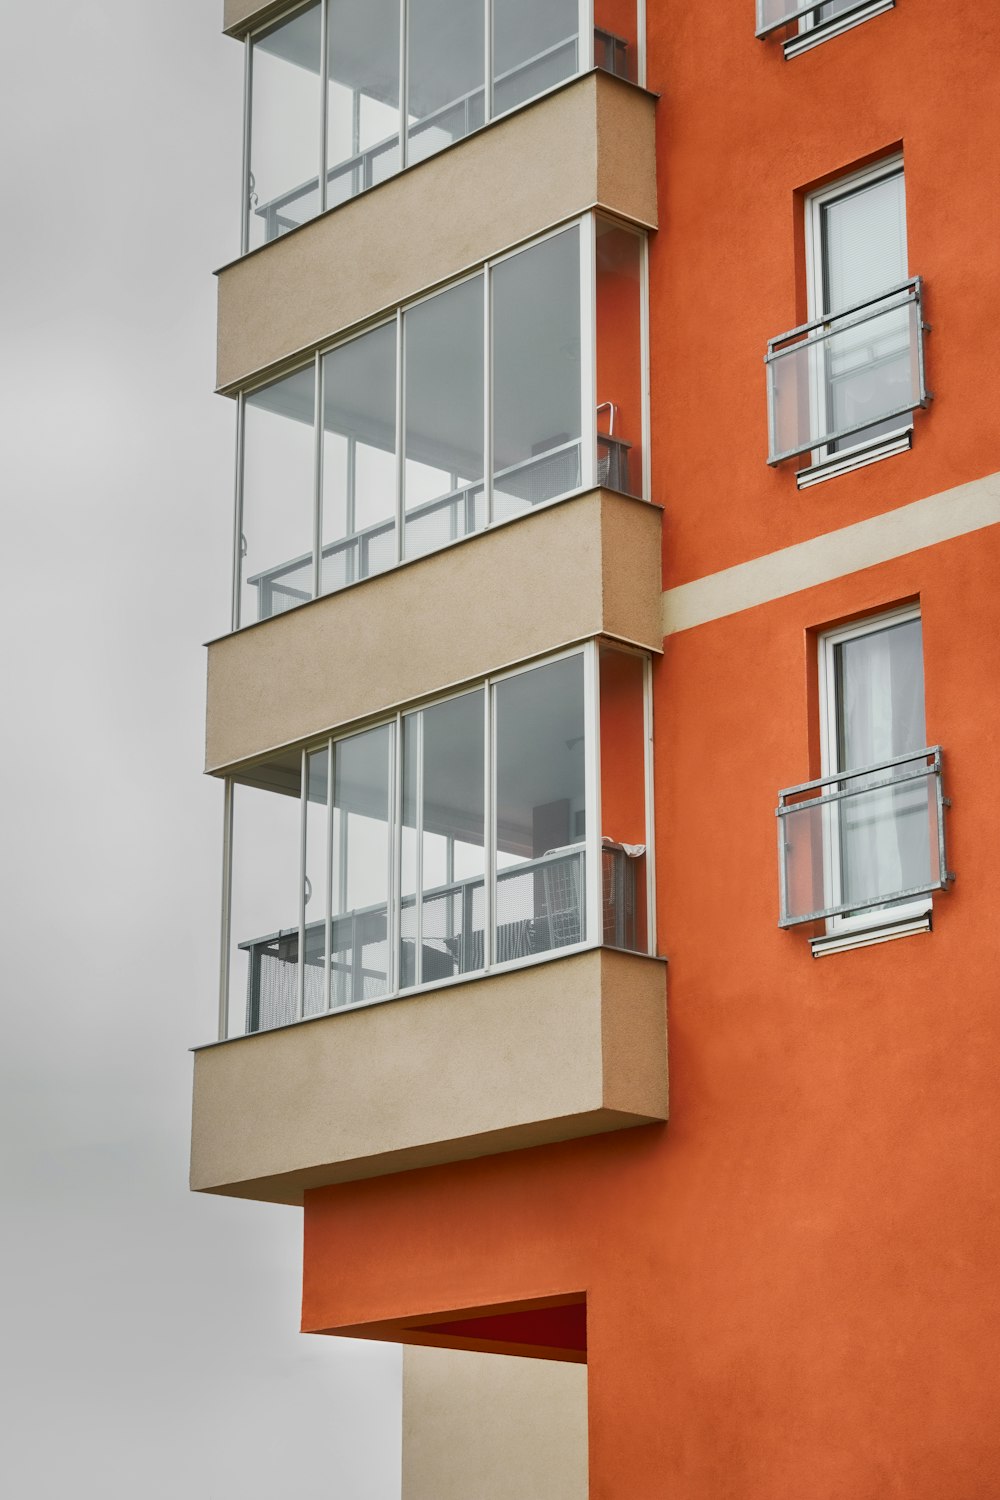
{"x": 588, "y": 144}
{"x": 572, "y": 1047}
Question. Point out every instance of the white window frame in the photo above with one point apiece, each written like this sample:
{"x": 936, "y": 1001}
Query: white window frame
{"x": 815, "y": 203}
{"x": 888, "y": 916}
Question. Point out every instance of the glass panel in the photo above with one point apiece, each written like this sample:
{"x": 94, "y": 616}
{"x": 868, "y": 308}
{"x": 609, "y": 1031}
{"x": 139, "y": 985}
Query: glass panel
{"x": 362, "y": 96}
{"x": 619, "y": 358}
{"x": 534, "y": 48}
{"x": 540, "y": 814}
{"x": 863, "y": 850}
{"x": 849, "y": 380}
{"x": 360, "y": 879}
{"x": 264, "y": 923}
{"x": 284, "y": 127}
{"x": 623, "y": 799}
{"x": 443, "y": 476}
{"x": 359, "y": 459}
{"x": 443, "y": 772}
{"x": 880, "y": 714}
{"x": 444, "y": 82}
{"x": 276, "y": 544}
{"x": 616, "y": 38}
{"x": 317, "y": 880}
{"x": 536, "y": 375}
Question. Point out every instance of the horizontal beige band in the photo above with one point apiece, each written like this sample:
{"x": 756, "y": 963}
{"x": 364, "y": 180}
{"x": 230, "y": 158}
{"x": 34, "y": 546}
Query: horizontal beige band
{"x": 938, "y": 518}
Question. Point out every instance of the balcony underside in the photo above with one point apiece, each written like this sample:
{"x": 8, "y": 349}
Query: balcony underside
{"x": 587, "y": 566}
{"x": 566, "y": 1048}
{"x": 589, "y": 144}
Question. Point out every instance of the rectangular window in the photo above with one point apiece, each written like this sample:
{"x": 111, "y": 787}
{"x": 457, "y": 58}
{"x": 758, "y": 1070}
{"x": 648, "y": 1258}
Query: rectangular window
{"x": 471, "y": 833}
{"x": 384, "y": 447}
{"x": 806, "y": 23}
{"x": 850, "y": 379}
{"x": 864, "y": 845}
{"x": 401, "y": 80}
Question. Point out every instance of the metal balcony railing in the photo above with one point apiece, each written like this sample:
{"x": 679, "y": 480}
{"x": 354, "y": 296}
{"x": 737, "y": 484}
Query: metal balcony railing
{"x": 862, "y": 840}
{"x": 773, "y": 14}
{"x": 847, "y": 375}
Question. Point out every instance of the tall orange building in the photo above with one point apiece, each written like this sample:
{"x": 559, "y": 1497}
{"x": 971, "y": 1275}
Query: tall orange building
{"x": 615, "y": 653}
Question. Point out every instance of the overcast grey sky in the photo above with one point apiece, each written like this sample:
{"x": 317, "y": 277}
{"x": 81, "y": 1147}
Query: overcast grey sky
{"x": 148, "y": 1343}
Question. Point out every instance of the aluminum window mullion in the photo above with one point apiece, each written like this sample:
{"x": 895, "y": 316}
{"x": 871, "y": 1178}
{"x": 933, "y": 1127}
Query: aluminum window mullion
{"x": 318, "y": 477}
{"x": 328, "y": 897}
{"x": 418, "y": 895}
{"x": 488, "y": 394}
{"x": 238, "y": 510}
{"x": 488, "y": 63}
{"x": 592, "y": 792}
{"x": 324, "y": 93}
{"x": 247, "y": 105}
{"x": 585, "y": 41}
{"x": 640, "y": 24}
{"x": 227, "y": 912}
{"x": 400, "y": 432}
{"x": 394, "y": 924}
{"x": 587, "y": 230}
{"x": 644, "y": 372}
{"x": 300, "y": 1001}
{"x": 489, "y": 821}
{"x": 404, "y": 84}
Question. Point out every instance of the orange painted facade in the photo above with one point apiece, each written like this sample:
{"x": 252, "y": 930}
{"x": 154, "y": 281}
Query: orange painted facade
{"x": 791, "y": 1289}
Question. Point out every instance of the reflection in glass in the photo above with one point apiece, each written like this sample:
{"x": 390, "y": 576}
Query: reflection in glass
{"x": 443, "y": 869}
{"x": 537, "y": 420}
{"x": 276, "y": 541}
{"x": 443, "y": 475}
{"x": 616, "y": 38}
{"x": 264, "y": 920}
{"x": 359, "y": 458}
{"x": 540, "y": 817}
{"x": 283, "y": 186}
{"x": 445, "y": 73}
{"x": 623, "y": 799}
{"x": 360, "y": 946}
{"x": 619, "y": 358}
{"x": 362, "y": 96}
{"x": 534, "y": 48}
{"x": 316, "y": 893}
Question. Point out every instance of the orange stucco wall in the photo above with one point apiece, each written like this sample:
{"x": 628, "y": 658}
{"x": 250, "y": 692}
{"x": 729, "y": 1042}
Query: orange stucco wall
{"x": 740, "y": 133}
{"x": 791, "y": 1290}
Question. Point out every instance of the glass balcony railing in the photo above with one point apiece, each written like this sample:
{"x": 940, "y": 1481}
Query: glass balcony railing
{"x": 442, "y": 420}
{"x": 339, "y": 97}
{"x": 847, "y": 378}
{"x": 773, "y": 14}
{"x": 442, "y": 843}
{"x": 862, "y": 841}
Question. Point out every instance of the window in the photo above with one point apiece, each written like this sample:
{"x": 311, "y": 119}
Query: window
{"x": 504, "y": 823}
{"x": 864, "y": 845}
{"x": 341, "y": 94}
{"x": 843, "y": 386}
{"x": 805, "y": 24}
{"x": 382, "y": 448}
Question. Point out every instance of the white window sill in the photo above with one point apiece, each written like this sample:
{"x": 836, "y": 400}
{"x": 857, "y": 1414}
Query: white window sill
{"x": 865, "y": 937}
{"x": 836, "y": 26}
{"x": 854, "y": 458}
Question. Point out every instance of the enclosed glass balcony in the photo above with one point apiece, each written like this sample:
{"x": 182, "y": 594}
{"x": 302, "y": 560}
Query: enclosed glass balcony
{"x": 401, "y": 80}
{"x": 519, "y": 385}
{"x": 863, "y": 841}
{"x": 847, "y": 378}
{"x": 448, "y": 841}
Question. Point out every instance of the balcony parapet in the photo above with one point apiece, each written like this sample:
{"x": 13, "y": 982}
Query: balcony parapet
{"x": 572, "y": 1047}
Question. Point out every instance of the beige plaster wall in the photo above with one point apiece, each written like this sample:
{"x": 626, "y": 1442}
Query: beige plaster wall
{"x": 492, "y": 1427}
{"x": 238, "y": 16}
{"x": 586, "y": 567}
{"x": 571, "y": 1047}
{"x": 589, "y": 143}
